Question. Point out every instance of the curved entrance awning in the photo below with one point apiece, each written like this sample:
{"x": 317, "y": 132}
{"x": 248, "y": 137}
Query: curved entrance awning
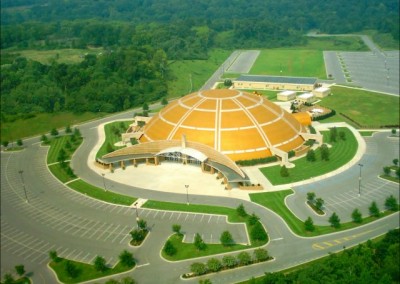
{"x": 186, "y": 151}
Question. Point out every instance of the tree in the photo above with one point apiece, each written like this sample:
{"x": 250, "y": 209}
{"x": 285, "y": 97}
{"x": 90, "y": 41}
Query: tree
{"x": 199, "y": 243}
{"x": 164, "y": 101}
{"x": 198, "y": 268}
{"x": 244, "y": 258}
{"x": 8, "y": 279}
{"x": 128, "y": 280}
{"x": 71, "y": 269}
{"x": 394, "y": 131}
{"x": 54, "y": 256}
{"x": 169, "y": 248}
{"x": 176, "y": 228}
{"x": 334, "y": 220}
{"x": 229, "y": 261}
{"x": 342, "y": 135}
{"x": 68, "y": 145}
{"x": 260, "y": 254}
{"x": 68, "y": 129}
{"x": 214, "y": 265}
{"x": 356, "y": 216}
{"x": 284, "y": 171}
{"x": 145, "y": 107}
{"x": 126, "y": 258}
{"x": 227, "y": 82}
{"x": 77, "y": 132}
{"x": 19, "y": 142}
{"x": 395, "y": 161}
{"x": 324, "y": 152}
{"x": 20, "y": 270}
{"x": 333, "y": 134}
{"x": 226, "y": 238}
{"x": 391, "y": 203}
{"x": 253, "y": 219}
{"x": 374, "y": 210}
{"x": 142, "y": 224}
{"x": 100, "y": 264}
{"x": 309, "y": 224}
{"x": 241, "y": 211}
{"x": 62, "y": 156}
{"x": 5, "y": 144}
{"x": 398, "y": 173}
{"x": 310, "y": 196}
{"x": 311, "y": 155}
{"x": 54, "y": 132}
{"x": 319, "y": 202}
{"x": 386, "y": 170}
{"x": 137, "y": 235}
{"x": 258, "y": 232}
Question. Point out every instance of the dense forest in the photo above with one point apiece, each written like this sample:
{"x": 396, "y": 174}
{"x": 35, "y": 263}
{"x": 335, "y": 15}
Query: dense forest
{"x": 138, "y": 39}
{"x": 366, "y": 263}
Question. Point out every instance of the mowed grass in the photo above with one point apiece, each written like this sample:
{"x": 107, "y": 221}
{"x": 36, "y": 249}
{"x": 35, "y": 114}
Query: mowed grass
{"x": 86, "y": 271}
{"x": 281, "y": 62}
{"x": 270, "y": 95}
{"x": 276, "y": 202}
{"x": 60, "y": 173}
{"x": 112, "y": 137}
{"x": 58, "y": 143}
{"x": 100, "y": 194}
{"x": 368, "y": 109}
{"x": 340, "y": 154}
{"x": 42, "y": 124}
{"x": 196, "y": 71}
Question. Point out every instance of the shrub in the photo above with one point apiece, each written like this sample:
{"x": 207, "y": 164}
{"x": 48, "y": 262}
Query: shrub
{"x": 241, "y": 211}
{"x": 142, "y": 224}
{"x": 176, "y": 228}
{"x": 395, "y": 161}
{"x": 253, "y": 162}
{"x": 374, "y": 210}
{"x": 244, "y": 258}
{"x": 391, "y": 203}
{"x": 199, "y": 243}
{"x": 334, "y": 220}
{"x": 284, "y": 171}
{"x": 260, "y": 254}
{"x": 137, "y": 235}
{"x": 226, "y": 238}
{"x": 169, "y": 248}
{"x": 291, "y": 154}
{"x": 319, "y": 202}
{"x": 324, "y": 152}
{"x": 309, "y": 225}
{"x": 310, "y": 196}
{"x": 198, "y": 268}
{"x": 310, "y": 155}
{"x": 54, "y": 132}
{"x": 229, "y": 261}
{"x": 126, "y": 258}
{"x": 356, "y": 216}
{"x": 258, "y": 232}
{"x": 214, "y": 265}
{"x": 19, "y": 142}
{"x": 100, "y": 264}
{"x": 253, "y": 219}
{"x": 71, "y": 269}
{"x": 386, "y": 170}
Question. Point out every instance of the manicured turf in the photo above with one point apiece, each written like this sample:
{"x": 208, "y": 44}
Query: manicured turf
{"x": 366, "y": 133}
{"x": 99, "y": 193}
{"x": 275, "y": 202}
{"x": 57, "y": 143}
{"x": 390, "y": 178}
{"x": 111, "y": 137}
{"x": 368, "y": 109}
{"x": 341, "y": 153}
{"x": 60, "y": 173}
{"x": 303, "y": 63}
{"x": 87, "y": 271}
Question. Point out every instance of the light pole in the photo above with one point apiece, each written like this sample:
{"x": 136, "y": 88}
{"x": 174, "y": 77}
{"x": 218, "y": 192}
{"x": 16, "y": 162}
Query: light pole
{"x": 187, "y": 194}
{"x": 104, "y": 181}
{"x": 137, "y": 215}
{"x": 359, "y": 181}
{"x": 23, "y": 184}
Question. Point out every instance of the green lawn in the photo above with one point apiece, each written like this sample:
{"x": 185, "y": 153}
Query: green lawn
{"x": 60, "y": 173}
{"x": 42, "y": 124}
{"x": 275, "y": 202}
{"x": 57, "y": 143}
{"x": 87, "y": 271}
{"x": 281, "y": 62}
{"x": 368, "y": 109}
{"x": 340, "y": 154}
{"x": 112, "y": 137}
{"x": 99, "y": 193}
{"x": 197, "y": 71}
{"x": 390, "y": 178}
{"x": 366, "y": 133}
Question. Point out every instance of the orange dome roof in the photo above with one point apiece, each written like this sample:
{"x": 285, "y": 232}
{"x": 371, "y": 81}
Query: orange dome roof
{"x": 238, "y": 124}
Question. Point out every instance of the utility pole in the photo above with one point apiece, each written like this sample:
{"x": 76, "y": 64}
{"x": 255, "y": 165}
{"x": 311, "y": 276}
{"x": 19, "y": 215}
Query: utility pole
{"x": 187, "y": 194}
{"x": 23, "y": 185}
{"x": 359, "y": 180}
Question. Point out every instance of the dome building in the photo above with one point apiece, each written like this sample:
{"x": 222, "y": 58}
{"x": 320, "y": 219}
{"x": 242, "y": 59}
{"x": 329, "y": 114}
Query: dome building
{"x": 216, "y": 128}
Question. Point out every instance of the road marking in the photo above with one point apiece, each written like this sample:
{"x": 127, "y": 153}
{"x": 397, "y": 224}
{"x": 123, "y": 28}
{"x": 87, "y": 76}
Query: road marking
{"x": 209, "y": 219}
{"x": 164, "y": 215}
{"x": 187, "y": 215}
{"x": 171, "y": 216}
{"x": 179, "y": 215}
{"x": 317, "y": 247}
{"x": 144, "y": 264}
{"x": 328, "y": 244}
{"x": 277, "y": 239}
{"x": 202, "y": 216}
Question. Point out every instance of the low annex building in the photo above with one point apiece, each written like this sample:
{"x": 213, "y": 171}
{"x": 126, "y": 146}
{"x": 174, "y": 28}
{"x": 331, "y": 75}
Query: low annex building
{"x": 286, "y": 96}
{"x": 260, "y": 82}
{"x": 215, "y": 128}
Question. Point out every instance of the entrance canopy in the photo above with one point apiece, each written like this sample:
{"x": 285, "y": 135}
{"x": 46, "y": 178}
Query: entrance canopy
{"x": 186, "y": 151}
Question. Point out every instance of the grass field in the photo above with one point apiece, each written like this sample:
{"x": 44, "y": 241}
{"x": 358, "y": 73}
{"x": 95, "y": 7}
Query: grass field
{"x": 275, "y": 202}
{"x": 99, "y": 193}
{"x": 86, "y": 271}
{"x": 196, "y": 71}
{"x": 368, "y": 109}
{"x": 60, "y": 173}
{"x": 57, "y": 143}
{"x": 340, "y": 154}
{"x": 112, "y": 137}
{"x": 42, "y": 124}
{"x": 367, "y": 133}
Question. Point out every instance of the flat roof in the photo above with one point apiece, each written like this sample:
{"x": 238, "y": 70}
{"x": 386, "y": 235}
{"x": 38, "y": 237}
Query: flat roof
{"x": 287, "y": 93}
{"x": 277, "y": 79}
{"x": 321, "y": 89}
{"x": 306, "y": 95}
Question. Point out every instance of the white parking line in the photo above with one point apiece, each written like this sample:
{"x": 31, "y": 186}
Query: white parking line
{"x": 67, "y": 256}
{"x": 156, "y": 214}
{"x": 89, "y": 229}
{"x": 112, "y": 232}
{"x": 123, "y": 239}
{"x": 187, "y": 215}
{"x": 210, "y": 218}
{"x": 179, "y": 216}
{"x": 171, "y": 216}
{"x": 120, "y": 233}
{"x": 104, "y": 231}
{"x": 97, "y": 230}
{"x": 202, "y": 216}
{"x": 163, "y": 215}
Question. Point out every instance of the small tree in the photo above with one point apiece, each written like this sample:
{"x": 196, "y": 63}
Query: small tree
{"x": 214, "y": 264}
{"x": 334, "y": 220}
{"x": 137, "y": 235}
{"x": 398, "y": 173}
{"x": 311, "y": 156}
{"x": 309, "y": 224}
{"x": 62, "y": 156}
{"x": 72, "y": 139}
{"x": 333, "y": 134}
{"x": 260, "y": 254}
{"x": 342, "y": 135}
{"x": 319, "y": 202}
{"x": 54, "y": 132}
{"x": 68, "y": 129}
{"x": 396, "y": 161}
{"x": 54, "y": 256}
{"x": 386, "y": 170}
{"x": 142, "y": 224}
{"x": 324, "y": 152}
{"x": 227, "y": 82}
{"x": 100, "y": 264}
{"x": 391, "y": 203}
{"x": 19, "y": 142}
{"x": 356, "y": 216}
{"x": 226, "y": 238}
{"x": 77, "y": 132}
{"x": 164, "y": 101}
{"x": 126, "y": 258}
{"x": 198, "y": 268}
{"x": 253, "y": 219}
{"x": 244, "y": 258}
{"x": 169, "y": 248}
{"x": 284, "y": 171}
{"x": 145, "y": 107}
{"x": 199, "y": 243}
{"x": 68, "y": 145}
{"x": 5, "y": 144}
{"x": 44, "y": 138}
{"x": 71, "y": 269}
{"x": 176, "y": 228}
{"x": 20, "y": 270}
{"x": 229, "y": 261}
{"x": 8, "y": 279}
{"x": 241, "y": 211}
{"x": 394, "y": 131}
{"x": 258, "y": 232}
{"x": 310, "y": 196}
{"x": 374, "y": 210}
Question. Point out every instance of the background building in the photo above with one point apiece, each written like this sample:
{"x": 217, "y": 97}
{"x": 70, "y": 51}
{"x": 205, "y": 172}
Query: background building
{"x": 274, "y": 83}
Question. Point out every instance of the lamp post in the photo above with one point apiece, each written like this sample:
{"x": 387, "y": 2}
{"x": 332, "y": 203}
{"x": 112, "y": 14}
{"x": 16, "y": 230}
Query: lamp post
{"x": 104, "y": 181}
{"x": 137, "y": 215}
{"x": 23, "y": 184}
{"x": 187, "y": 194}
{"x": 359, "y": 180}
